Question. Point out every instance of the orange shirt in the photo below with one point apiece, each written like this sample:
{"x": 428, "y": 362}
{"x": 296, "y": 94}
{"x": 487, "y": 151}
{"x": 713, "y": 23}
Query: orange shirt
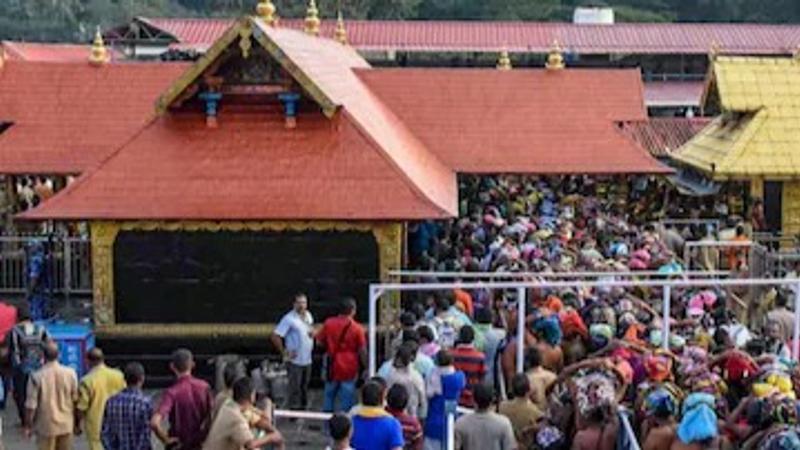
{"x": 736, "y": 255}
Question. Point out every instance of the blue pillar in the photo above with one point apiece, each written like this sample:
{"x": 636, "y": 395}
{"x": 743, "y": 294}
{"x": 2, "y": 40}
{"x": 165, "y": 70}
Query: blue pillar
{"x": 212, "y": 100}
{"x": 290, "y": 101}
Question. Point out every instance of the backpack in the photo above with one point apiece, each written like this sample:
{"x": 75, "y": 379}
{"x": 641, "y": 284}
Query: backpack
{"x": 29, "y": 345}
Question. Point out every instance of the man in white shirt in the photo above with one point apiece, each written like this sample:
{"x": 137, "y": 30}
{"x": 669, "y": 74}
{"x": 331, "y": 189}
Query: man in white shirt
{"x": 293, "y": 337}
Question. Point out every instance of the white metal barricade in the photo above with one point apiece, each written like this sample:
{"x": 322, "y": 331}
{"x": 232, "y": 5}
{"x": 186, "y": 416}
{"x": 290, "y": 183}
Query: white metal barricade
{"x": 377, "y": 290}
{"x": 557, "y": 275}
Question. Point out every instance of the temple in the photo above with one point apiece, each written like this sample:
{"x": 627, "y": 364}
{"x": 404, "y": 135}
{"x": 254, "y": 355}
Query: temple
{"x": 754, "y": 138}
{"x": 282, "y": 161}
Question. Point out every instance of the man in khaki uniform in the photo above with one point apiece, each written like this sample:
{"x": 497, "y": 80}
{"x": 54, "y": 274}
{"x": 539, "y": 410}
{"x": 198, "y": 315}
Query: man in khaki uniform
{"x": 100, "y": 384}
{"x": 231, "y": 428}
{"x": 50, "y": 405}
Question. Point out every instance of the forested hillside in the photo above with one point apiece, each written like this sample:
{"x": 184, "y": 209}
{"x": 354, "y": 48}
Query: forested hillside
{"x": 76, "y": 19}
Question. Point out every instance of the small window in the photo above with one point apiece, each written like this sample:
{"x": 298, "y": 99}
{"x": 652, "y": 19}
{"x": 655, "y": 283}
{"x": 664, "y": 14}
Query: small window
{"x": 4, "y": 126}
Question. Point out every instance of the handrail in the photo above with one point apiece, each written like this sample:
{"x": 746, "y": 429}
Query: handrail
{"x": 587, "y": 274}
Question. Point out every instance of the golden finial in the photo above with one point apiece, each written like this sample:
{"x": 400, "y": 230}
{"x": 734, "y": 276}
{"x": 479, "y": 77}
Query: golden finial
{"x": 796, "y": 53}
{"x": 2, "y": 55}
{"x": 714, "y": 51}
{"x": 99, "y": 53}
{"x": 504, "y": 61}
{"x": 312, "y": 19}
{"x": 555, "y": 60}
{"x": 340, "y": 34}
{"x": 265, "y": 10}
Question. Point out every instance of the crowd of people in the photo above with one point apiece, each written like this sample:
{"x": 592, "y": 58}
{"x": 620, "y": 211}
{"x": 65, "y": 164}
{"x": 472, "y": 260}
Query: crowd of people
{"x": 597, "y": 371}
{"x": 109, "y": 407}
{"x": 562, "y": 224}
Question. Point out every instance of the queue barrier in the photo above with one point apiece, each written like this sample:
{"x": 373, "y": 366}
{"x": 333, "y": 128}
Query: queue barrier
{"x": 376, "y": 291}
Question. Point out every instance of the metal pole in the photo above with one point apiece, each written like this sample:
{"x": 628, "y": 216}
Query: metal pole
{"x": 521, "y": 300}
{"x": 626, "y": 424}
{"x": 451, "y": 431}
{"x": 665, "y": 326}
{"x": 580, "y": 284}
{"x": 554, "y": 275}
{"x": 67, "y": 245}
{"x": 374, "y": 295}
{"x": 796, "y": 340}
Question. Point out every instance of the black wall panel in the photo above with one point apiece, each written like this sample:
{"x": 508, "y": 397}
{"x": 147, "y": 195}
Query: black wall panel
{"x": 238, "y": 277}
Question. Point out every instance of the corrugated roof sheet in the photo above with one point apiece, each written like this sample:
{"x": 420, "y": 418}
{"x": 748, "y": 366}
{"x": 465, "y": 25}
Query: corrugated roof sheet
{"x": 520, "y": 121}
{"x": 68, "y": 116}
{"x": 758, "y": 133}
{"x": 48, "y": 52}
{"x": 673, "y": 93}
{"x": 662, "y": 135}
{"x": 493, "y": 36}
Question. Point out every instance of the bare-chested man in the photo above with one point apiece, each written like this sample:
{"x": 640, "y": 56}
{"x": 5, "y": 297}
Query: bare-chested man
{"x": 659, "y": 430}
{"x": 602, "y": 426}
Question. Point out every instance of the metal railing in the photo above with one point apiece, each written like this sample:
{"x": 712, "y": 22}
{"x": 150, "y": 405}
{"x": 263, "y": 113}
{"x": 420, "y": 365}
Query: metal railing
{"x": 685, "y": 223}
{"x": 717, "y": 250}
{"x": 66, "y": 265}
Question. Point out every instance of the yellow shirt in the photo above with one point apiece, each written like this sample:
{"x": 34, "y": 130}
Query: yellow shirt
{"x": 95, "y": 389}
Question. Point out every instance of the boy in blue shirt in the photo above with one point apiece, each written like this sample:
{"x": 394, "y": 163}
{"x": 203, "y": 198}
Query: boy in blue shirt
{"x": 373, "y": 427}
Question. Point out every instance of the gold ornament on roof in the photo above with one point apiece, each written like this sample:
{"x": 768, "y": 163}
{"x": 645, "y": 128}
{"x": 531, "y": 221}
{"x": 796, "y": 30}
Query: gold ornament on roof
{"x": 340, "y": 34}
{"x": 504, "y": 61}
{"x": 265, "y": 10}
{"x": 312, "y": 19}
{"x": 99, "y": 53}
{"x": 714, "y": 51}
{"x": 555, "y": 59}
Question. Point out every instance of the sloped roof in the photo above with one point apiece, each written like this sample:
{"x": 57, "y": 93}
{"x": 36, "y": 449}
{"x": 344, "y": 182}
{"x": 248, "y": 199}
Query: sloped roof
{"x": 662, "y": 135}
{"x": 67, "y": 117}
{"x": 177, "y": 168}
{"x": 520, "y": 121}
{"x": 673, "y": 93}
{"x": 536, "y": 37}
{"x": 758, "y": 133}
{"x": 363, "y": 164}
{"x": 48, "y": 52}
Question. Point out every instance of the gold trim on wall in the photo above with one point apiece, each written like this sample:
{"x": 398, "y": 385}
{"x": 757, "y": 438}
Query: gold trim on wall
{"x": 388, "y": 236}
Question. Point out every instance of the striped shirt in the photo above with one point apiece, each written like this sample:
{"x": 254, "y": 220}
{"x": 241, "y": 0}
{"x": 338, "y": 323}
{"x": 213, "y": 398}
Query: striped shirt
{"x": 473, "y": 364}
{"x": 412, "y": 430}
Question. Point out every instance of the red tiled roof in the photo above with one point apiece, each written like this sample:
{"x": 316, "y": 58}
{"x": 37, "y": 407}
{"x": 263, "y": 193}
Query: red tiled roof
{"x": 662, "y": 135}
{"x": 363, "y": 164}
{"x": 69, "y": 116}
{"x": 520, "y": 121}
{"x": 48, "y": 52}
{"x": 250, "y": 168}
{"x": 465, "y": 36}
{"x": 673, "y": 93}
{"x": 331, "y": 66}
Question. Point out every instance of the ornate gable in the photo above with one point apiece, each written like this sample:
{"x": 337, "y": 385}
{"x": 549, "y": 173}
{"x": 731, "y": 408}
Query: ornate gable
{"x": 244, "y": 69}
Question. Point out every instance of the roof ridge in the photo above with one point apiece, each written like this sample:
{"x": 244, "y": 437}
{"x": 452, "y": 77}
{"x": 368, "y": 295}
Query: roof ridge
{"x": 479, "y": 22}
{"x": 397, "y": 124}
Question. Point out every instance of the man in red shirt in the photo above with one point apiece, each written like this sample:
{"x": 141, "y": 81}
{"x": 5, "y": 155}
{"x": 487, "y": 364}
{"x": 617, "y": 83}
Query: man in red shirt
{"x": 470, "y": 361}
{"x": 187, "y": 405}
{"x": 345, "y": 346}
